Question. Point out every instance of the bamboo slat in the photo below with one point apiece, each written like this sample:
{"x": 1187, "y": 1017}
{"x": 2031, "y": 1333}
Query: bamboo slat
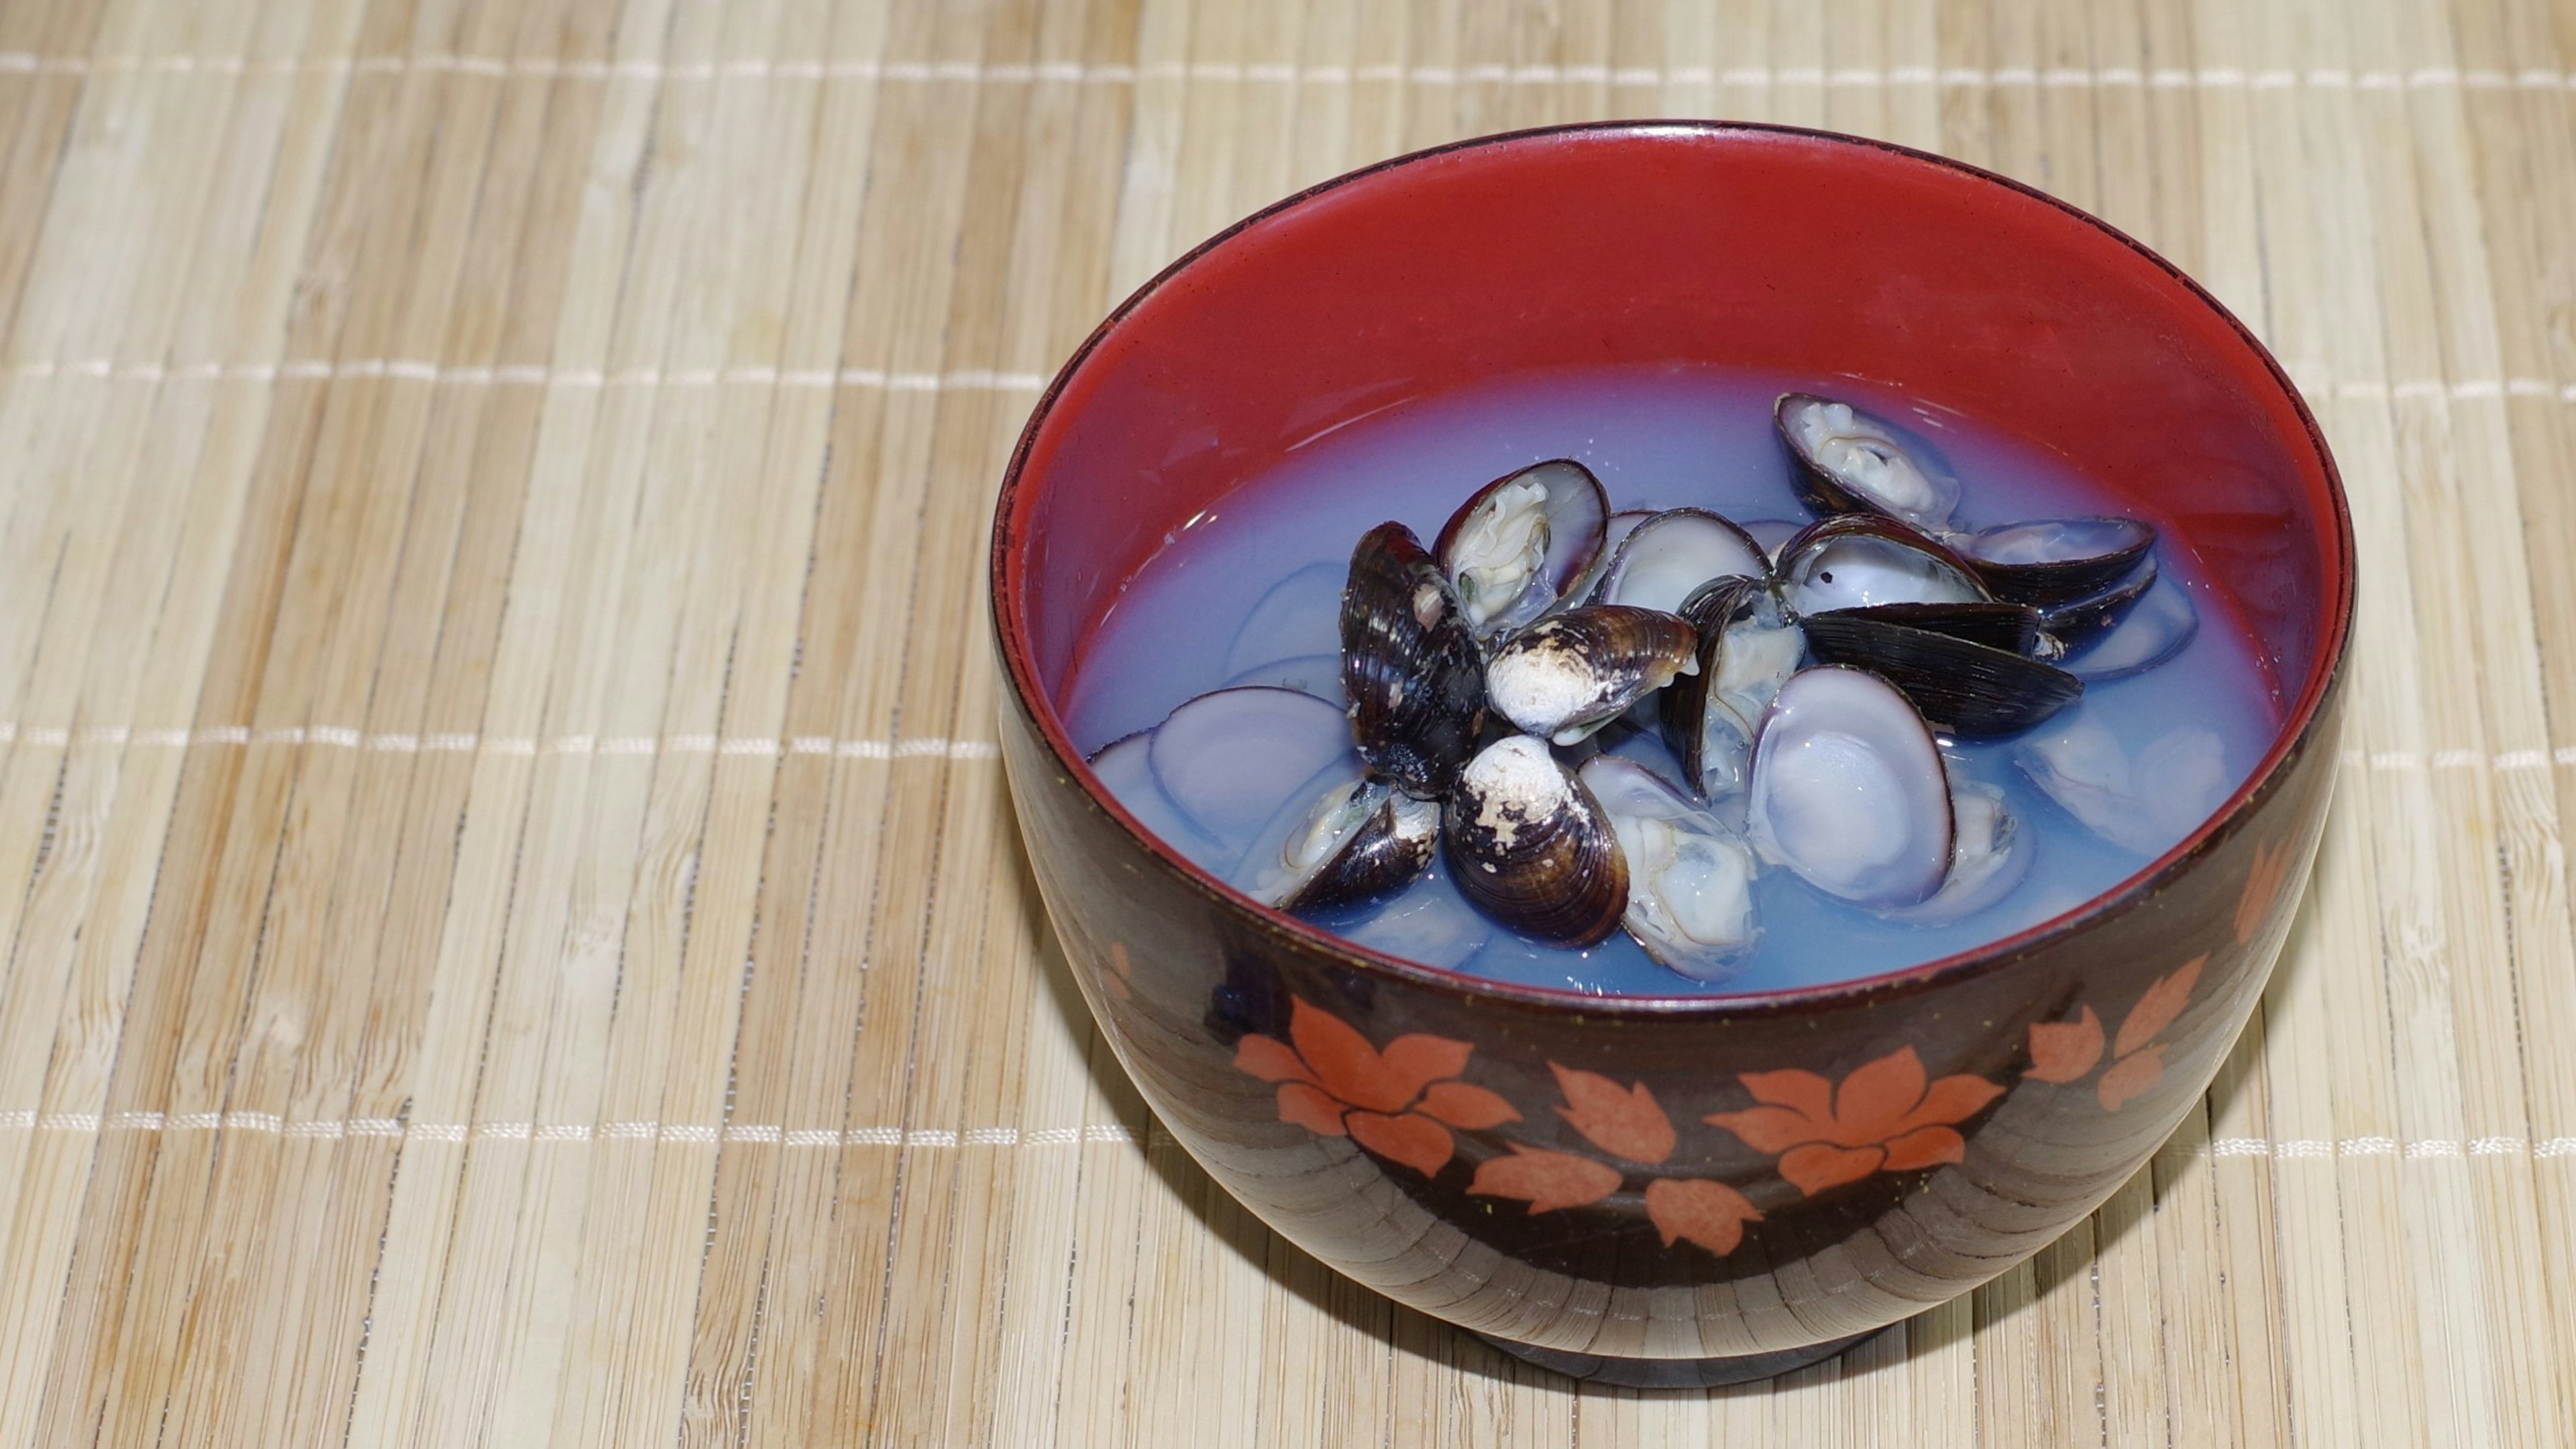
{"x": 514, "y": 928}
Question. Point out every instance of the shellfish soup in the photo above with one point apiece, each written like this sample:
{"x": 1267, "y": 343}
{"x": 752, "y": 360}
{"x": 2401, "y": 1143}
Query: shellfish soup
{"x": 1671, "y": 681}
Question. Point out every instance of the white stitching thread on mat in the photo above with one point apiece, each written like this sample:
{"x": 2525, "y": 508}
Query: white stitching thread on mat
{"x": 963, "y": 380}
{"x": 342, "y": 737}
{"x": 929, "y": 747}
{"x": 761, "y": 68}
{"x": 529, "y": 375}
{"x": 25, "y": 1119}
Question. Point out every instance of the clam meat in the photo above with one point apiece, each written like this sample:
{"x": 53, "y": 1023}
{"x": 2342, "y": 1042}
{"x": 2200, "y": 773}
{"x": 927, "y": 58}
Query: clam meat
{"x": 1411, "y": 670}
{"x": 1568, "y": 674}
{"x": 1748, "y": 648}
{"x": 1690, "y": 879}
{"x": 1988, "y": 857}
{"x": 1529, "y": 846}
{"x": 1851, "y": 462}
{"x": 2142, "y": 803}
{"x": 1522, "y": 542}
{"x": 1848, "y": 790}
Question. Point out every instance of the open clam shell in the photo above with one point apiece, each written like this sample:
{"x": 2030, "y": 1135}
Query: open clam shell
{"x": 1960, "y": 686}
{"x": 1856, "y": 560}
{"x": 1989, "y": 856}
{"x": 2079, "y": 621}
{"x": 1671, "y": 555}
{"x": 1568, "y": 674}
{"x": 1228, "y": 758}
{"x": 1521, "y": 543}
{"x": 1748, "y": 648}
{"x": 1530, "y": 847}
{"x": 2055, "y": 560}
{"x": 1849, "y": 790}
{"x": 2153, "y": 630}
{"x": 1411, "y": 670}
{"x": 1341, "y": 840}
{"x": 1690, "y": 879}
{"x": 1852, "y": 462}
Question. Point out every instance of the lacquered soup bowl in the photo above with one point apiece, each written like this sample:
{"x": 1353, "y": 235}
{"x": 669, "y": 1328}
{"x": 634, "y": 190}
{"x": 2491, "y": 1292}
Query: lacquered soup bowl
{"x": 1693, "y": 1189}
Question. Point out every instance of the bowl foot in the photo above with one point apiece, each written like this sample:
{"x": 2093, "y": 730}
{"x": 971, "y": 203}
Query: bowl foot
{"x": 1675, "y": 1373}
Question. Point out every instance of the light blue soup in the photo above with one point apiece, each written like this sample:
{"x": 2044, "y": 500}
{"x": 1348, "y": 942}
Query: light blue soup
{"x": 1250, "y": 591}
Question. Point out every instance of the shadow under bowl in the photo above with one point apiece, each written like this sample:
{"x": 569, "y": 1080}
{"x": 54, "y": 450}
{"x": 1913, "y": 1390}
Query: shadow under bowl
{"x": 1829, "y": 1160}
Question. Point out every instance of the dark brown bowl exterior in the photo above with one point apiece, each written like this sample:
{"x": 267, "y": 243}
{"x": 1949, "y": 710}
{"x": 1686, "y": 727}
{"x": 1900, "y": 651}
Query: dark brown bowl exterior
{"x": 1739, "y": 1178}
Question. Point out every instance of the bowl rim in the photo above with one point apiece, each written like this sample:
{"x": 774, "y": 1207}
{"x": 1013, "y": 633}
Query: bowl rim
{"x": 2290, "y": 740}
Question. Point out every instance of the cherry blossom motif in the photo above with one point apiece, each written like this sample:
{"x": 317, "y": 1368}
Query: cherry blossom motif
{"x": 1626, "y": 1122}
{"x": 2262, "y": 883}
{"x": 1398, "y": 1103}
{"x": 1545, "y": 1180}
{"x": 1710, "y": 1214}
{"x": 2064, "y": 1051}
{"x": 1886, "y": 1116}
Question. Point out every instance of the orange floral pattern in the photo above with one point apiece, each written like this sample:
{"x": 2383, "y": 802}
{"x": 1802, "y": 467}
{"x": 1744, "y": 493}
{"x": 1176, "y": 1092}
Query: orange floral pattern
{"x": 1885, "y": 1116}
{"x": 2262, "y": 883}
{"x": 1398, "y": 1103}
{"x": 2064, "y": 1051}
{"x": 1626, "y": 1122}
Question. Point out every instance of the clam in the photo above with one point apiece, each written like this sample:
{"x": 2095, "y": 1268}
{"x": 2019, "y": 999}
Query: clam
{"x": 1960, "y": 686}
{"x": 1856, "y": 560}
{"x": 1851, "y": 462}
{"x": 1411, "y": 670}
{"x": 1522, "y": 542}
{"x": 1568, "y": 674}
{"x": 1317, "y": 674}
{"x": 1229, "y": 758}
{"x": 1296, "y": 618}
{"x": 2143, "y": 803}
{"x": 1666, "y": 558}
{"x": 2013, "y": 628}
{"x": 1988, "y": 857}
{"x": 1690, "y": 879}
{"x": 1342, "y": 840}
{"x": 1528, "y": 845}
{"x": 1613, "y": 534}
{"x": 2078, "y": 621}
{"x": 1848, "y": 790}
{"x": 1429, "y": 924}
{"x": 2055, "y": 560}
{"x": 2153, "y": 630}
{"x": 1748, "y": 648}
{"x": 1126, "y": 767}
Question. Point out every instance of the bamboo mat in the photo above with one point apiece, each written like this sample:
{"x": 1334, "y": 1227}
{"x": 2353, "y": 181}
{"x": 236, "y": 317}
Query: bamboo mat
{"x": 514, "y": 928}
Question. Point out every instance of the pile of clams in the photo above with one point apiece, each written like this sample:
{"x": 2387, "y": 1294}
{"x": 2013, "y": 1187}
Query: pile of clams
{"x": 1806, "y": 677}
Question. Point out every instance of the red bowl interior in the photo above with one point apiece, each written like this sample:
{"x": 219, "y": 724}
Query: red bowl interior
{"x": 1664, "y": 242}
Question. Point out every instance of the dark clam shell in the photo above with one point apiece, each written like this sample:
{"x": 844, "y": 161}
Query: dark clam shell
{"x": 2079, "y": 621}
{"x": 1501, "y": 590}
{"x": 1346, "y": 839}
{"x": 2055, "y": 560}
{"x": 1410, "y": 667}
{"x": 1530, "y": 847}
{"x": 1569, "y": 673}
{"x": 1747, "y": 648}
{"x": 2153, "y": 630}
{"x": 1850, "y": 461}
{"x": 1855, "y": 560}
{"x": 2014, "y": 628}
{"x": 1961, "y": 687}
